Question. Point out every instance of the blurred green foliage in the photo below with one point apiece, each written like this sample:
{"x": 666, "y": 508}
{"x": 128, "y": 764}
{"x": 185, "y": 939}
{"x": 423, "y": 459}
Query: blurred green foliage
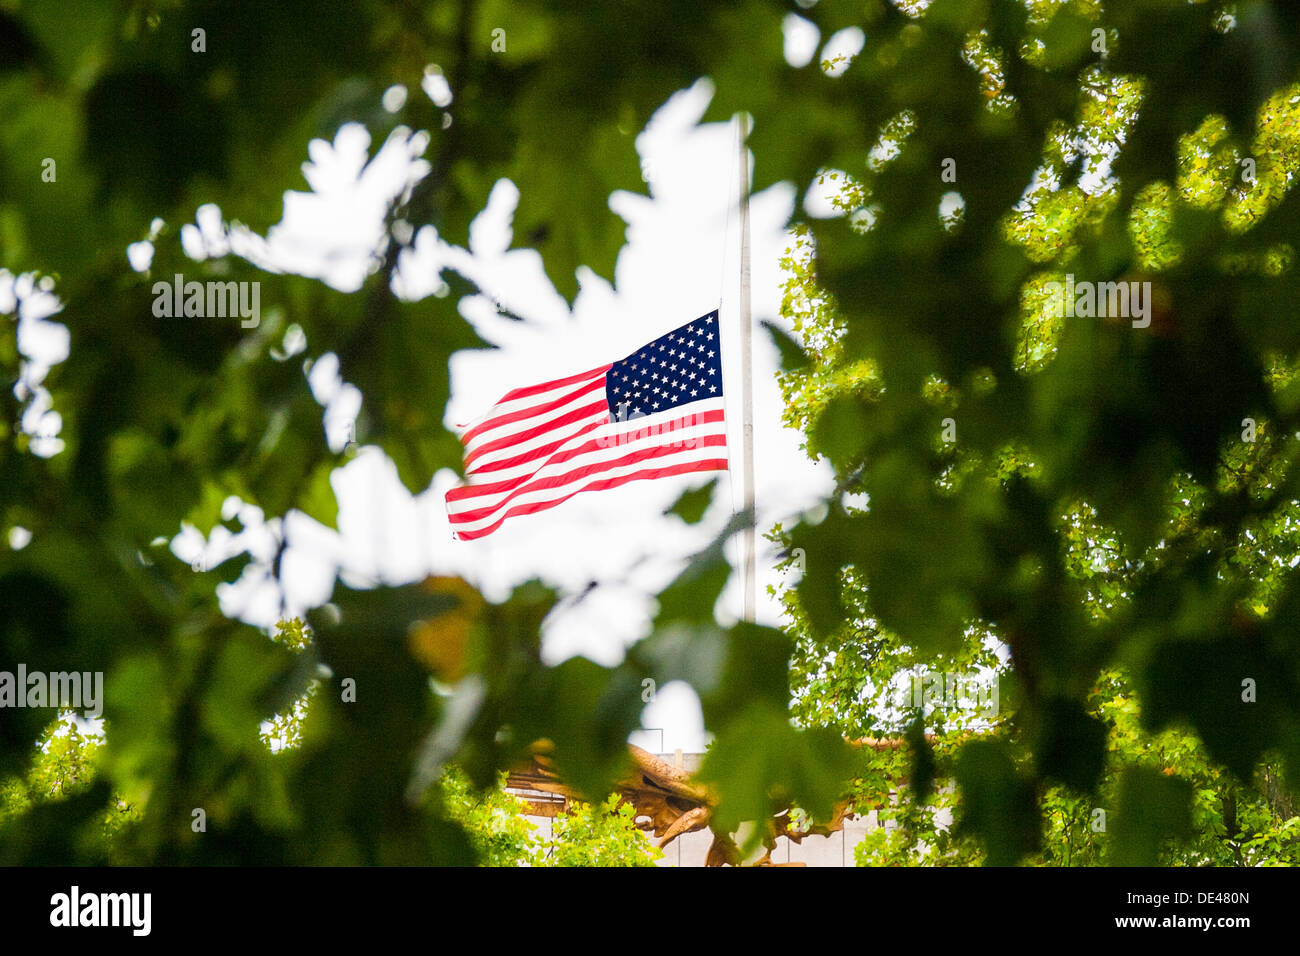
{"x": 1099, "y": 516}
{"x": 494, "y": 820}
{"x": 1099, "y": 511}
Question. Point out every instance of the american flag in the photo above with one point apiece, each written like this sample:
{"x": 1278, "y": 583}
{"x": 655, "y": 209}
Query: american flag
{"x": 656, "y": 413}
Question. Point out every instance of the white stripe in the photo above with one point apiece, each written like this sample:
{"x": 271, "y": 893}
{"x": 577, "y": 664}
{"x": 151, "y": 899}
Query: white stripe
{"x": 564, "y": 433}
{"x": 610, "y": 432}
{"x": 684, "y": 440}
{"x": 529, "y": 401}
{"x": 551, "y": 494}
{"x": 522, "y": 425}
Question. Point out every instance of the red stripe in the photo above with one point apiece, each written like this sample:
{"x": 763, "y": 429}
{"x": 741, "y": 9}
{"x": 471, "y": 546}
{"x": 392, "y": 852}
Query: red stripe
{"x": 712, "y": 464}
{"x": 568, "y": 454}
{"x": 547, "y": 386}
{"x": 529, "y": 412}
{"x": 507, "y": 441}
{"x": 541, "y": 451}
{"x": 595, "y": 468}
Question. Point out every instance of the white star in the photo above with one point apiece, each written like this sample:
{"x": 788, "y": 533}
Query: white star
{"x": 713, "y": 388}
{"x": 694, "y": 393}
{"x": 710, "y": 353}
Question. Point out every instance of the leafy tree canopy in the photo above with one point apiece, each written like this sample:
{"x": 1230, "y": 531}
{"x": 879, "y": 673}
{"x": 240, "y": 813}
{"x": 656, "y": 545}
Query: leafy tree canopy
{"x": 1107, "y": 142}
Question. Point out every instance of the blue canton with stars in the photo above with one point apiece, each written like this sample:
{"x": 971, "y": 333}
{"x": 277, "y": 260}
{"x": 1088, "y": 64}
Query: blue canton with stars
{"x": 676, "y": 369}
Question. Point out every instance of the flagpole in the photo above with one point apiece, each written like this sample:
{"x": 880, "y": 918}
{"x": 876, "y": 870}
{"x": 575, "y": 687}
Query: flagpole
{"x": 746, "y": 373}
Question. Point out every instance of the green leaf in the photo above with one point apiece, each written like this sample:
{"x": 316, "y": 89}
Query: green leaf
{"x": 400, "y": 363}
{"x": 793, "y": 357}
{"x": 1071, "y": 745}
{"x": 997, "y": 802}
{"x": 690, "y": 507}
{"x": 1153, "y": 808}
{"x": 319, "y": 501}
{"x": 760, "y": 764}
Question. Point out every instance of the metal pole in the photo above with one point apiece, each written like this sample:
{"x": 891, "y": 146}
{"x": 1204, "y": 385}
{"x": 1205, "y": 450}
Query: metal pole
{"x": 747, "y": 371}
